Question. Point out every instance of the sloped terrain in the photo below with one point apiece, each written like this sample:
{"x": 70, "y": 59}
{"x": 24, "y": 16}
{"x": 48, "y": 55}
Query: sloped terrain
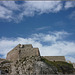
{"x": 36, "y": 65}
{"x": 63, "y": 67}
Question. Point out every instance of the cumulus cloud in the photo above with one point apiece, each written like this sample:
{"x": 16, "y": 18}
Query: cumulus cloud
{"x": 51, "y": 44}
{"x": 32, "y": 8}
{"x": 5, "y": 13}
{"x": 69, "y": 4}
{"x": 10, "y": 10}
{"x": 43, "y": 6}
{"x": 11, "y": 5}
{"x": 52, "y": 37}
{"x": 72, "y": 15}
{"x": 16, "y": 11}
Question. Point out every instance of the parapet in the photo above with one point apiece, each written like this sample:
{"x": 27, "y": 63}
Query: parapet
{"x": 55, "y": 58}
{"x": 26, "y": 46}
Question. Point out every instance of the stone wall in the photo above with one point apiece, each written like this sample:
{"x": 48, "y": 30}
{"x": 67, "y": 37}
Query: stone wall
{"x": 55, "y": 58}
{"x": 24, "y": 52}
{"x": 37, "y": 53}
{"x": 21, "y": 51}
{"x": 13, "y": 54}
{"x": 74, "y": 65}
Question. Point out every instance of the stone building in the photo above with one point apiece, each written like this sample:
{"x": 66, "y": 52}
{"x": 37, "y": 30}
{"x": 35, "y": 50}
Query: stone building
{"x": 21, "y": 51}
{"x": 31, "y": 63}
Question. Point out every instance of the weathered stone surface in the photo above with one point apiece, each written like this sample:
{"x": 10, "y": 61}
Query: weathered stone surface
{"x": 55, "y": 58}
{"x": 74, "y": 65}
{"x": 32, "y": 66}
{"x": 5, "y": 67}
{"x": 21, "y": 51}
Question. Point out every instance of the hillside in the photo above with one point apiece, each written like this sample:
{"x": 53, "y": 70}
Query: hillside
{"x": 36, "y": 65}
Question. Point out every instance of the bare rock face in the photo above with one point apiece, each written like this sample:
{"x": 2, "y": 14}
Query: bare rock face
{"x": 35, "y": 65}
{"x": 30, "y": 66}
{"x": 5, "y": 67}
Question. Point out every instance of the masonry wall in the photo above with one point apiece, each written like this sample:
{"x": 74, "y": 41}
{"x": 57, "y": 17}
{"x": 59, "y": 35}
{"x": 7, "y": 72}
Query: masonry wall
{"x": 55, "y": 58}
{"x": 74, "y": 65}
{"x": 24, "y": 52}
{"x": 21, "y": 51}
{"x": 13, "y": 55}
{"x": 37, "y": 53}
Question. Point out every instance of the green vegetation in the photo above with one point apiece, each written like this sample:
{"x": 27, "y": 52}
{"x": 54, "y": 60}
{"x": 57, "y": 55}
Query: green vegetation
{"x": 61, "y": 66}
{"x": 5, "y": 61}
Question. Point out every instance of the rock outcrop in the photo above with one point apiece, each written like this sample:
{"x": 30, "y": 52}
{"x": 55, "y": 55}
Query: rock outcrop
{"x": 32, "y": 66}
{"x": 35, "y": 66}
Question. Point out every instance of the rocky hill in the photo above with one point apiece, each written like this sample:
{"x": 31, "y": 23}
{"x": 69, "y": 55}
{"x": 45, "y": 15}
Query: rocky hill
{"x": 35, "y": 65}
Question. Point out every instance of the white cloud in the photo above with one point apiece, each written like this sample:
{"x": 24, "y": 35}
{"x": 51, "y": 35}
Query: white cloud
{"x": 5, "y": 13}
{"x": 43, "y": 28}
{"x": 28, "y": 8}
{"x": 51, "y": 37}
{"x": 39, "y": 7}
{"x": 44, "y": 42}
{"x": 12, "y": 11}
{"x": 44, "y": 6}
{"x": 72, "y": 15}
{"x": 11, "y": 5}
{"x": 8, "y": 10}
{"x": 69, "y": 4}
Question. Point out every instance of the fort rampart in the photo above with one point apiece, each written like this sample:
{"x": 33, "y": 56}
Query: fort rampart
{"x": 55, "y": 58}
{"x": 21, "y": 51}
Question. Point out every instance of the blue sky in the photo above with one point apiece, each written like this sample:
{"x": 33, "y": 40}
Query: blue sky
{"x": 48, "y": 25}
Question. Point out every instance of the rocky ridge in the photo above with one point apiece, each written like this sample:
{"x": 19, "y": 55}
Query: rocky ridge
{"x": 35, "y": 66}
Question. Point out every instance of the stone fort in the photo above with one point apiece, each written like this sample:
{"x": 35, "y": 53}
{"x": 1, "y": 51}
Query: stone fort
{"x": 21, "y": 51}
